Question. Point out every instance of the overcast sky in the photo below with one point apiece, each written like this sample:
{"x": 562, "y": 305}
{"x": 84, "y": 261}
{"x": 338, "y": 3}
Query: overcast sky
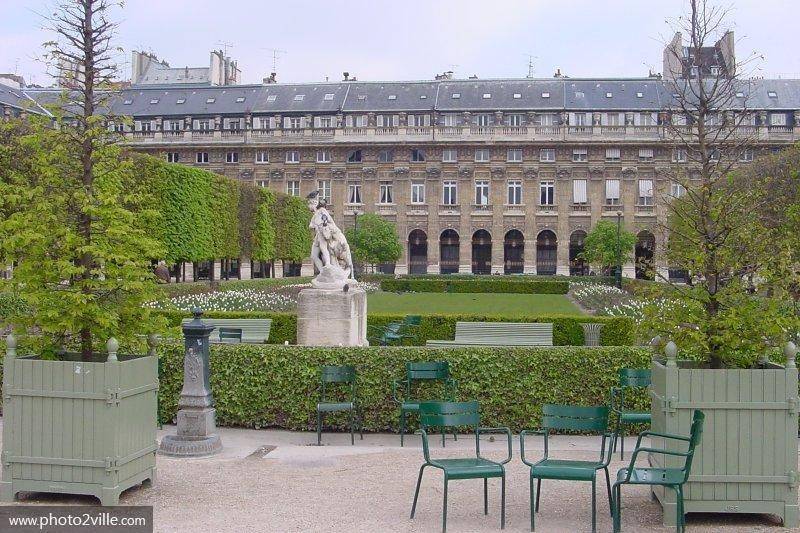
{"x": 410, "y": 39}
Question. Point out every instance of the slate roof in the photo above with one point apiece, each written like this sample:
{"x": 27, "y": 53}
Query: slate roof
{"x": 18, "y": 99}
{"x": 565, "y": 94}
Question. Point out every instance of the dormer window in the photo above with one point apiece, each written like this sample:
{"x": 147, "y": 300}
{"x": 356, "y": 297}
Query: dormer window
{"x": 181, "y": 101}
{"x": 210, "y": 100}
{"x": 362, "y": 97}
{"x": 545, "y": 95}
{"x": 639, "y": 95}
{"x": 609, "y": 95}
{"x": 579, "y": 94}
{"x": 299, "y": 97}
{"x": 486, "y": 96}
{"x": 128, "y": 102}
{"x": 423, "y": 97}
{"x": 328, "y": 96}
{"x": 240, "y": 99}
{"x": 695, "y": 71}
{"x": 517, "y": 96}
{"x": 740, "y": 95}
{"x": 772, "y": 94}
{"x": 154, "y": 101}
{"x": 272, "y": 97}
{"x": 715, "y": 71}
{"x": 392, "y": 97}
{"x": 455, "y": 96}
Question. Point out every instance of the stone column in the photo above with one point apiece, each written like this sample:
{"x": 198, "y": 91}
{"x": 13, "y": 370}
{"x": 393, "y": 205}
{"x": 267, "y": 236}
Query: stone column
{"x": 187, "y": 270}
{"x": 245, "y": 268}
{"x": 196, "y": 434}
{"x": 217, "y": 270}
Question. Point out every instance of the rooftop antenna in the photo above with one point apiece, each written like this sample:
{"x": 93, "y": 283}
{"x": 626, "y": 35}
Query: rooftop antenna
{"x": 531, "y": 59}
{"x": 225, "y": 45}
{"x": 275, "y": 53}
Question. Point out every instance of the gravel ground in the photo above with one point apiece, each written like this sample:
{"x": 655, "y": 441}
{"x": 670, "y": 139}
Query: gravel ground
{"x": 369, "y": 487}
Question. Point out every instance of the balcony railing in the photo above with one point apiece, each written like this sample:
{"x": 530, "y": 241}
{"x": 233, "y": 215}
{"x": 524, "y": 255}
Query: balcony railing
{"x": 581, "y": 209}
{"x": 143, "y": 134}
{"x": 449, "y": 209}
{"x": 385, "y": 131}
{"x": 481, "y": 209}
{"x": 449, "y": 131}
{"x": 355, "y": 131}
{"x": 547, "y": 210}
{"x": 645, "y": 210}
{"x": 418, "y": 131}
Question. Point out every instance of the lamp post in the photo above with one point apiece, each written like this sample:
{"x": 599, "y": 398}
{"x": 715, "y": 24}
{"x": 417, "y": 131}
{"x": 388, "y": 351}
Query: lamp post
{"x": 619, "y": 250}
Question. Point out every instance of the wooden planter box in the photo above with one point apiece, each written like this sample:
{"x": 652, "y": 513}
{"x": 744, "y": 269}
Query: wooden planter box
{"x": 78, "y": 427}
{"x": 747, "y": 458}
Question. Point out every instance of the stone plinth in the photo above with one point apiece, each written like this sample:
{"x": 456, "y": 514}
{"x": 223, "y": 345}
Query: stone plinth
{"x": 332, "y": 317}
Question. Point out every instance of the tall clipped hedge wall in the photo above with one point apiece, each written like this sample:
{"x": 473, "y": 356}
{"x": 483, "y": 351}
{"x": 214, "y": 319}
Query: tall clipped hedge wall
{"x": 293, "y": 237}
{"x": 567, "y": 330}
{"x": 496, "y": 285}
{"x": 263, "y": 386}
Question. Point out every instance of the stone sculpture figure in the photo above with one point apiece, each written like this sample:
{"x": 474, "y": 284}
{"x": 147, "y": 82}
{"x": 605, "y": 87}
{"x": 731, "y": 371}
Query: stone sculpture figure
{"x": 330, "y": 251}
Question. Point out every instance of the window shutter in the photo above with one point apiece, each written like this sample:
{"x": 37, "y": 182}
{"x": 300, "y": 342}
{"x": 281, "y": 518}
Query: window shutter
{"x": 579, "y": 191}
{"x": 379, "y": 121}
{"x": 612, "y": 189}
{"x": 427, "y": 120}
{"x": 286, "y": 122}
{"x": 317, "y": 122}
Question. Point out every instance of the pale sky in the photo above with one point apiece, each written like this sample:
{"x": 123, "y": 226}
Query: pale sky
{"x": 410, "y": 39}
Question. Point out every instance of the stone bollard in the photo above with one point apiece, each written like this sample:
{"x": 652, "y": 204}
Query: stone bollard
{"x": 671, "y": 351}
{"x": 196, "y": 435}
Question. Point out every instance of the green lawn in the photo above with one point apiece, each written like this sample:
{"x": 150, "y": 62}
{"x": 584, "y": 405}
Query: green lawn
{"x": 423, "y": 303}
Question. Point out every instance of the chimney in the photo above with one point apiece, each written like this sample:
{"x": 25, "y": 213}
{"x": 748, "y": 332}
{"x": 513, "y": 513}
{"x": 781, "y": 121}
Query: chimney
{"x": 346, "y": 76}
{"x": 273, "y": 78}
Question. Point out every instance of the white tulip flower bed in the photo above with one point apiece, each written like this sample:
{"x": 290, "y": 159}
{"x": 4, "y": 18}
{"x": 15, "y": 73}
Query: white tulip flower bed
{"x": 279, "y": 298}
{"x": 611, "y": 301}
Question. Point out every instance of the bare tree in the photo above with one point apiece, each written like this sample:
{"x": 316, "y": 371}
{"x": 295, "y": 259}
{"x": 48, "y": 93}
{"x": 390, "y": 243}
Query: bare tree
{"x": 712, "y": 127}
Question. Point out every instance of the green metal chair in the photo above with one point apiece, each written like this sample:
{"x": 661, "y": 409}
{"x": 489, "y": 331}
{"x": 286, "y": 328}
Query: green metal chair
{"x": 345, "y": 377}
{"x": 629, "y": 378}
{"x": 394, "y": 332}
{"x": 420, "y": 372}
{"x": 673, "y": 478}
{"x": 455, "y": 414}
{"x": 572, "y": 418}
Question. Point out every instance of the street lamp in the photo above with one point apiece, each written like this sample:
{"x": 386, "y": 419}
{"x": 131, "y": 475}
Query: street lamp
{"x": 619, "y": 250}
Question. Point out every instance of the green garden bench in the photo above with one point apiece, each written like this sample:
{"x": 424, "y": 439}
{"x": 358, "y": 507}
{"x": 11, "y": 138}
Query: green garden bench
{"x": 419, "y": 373}
{"x": 236, "y": 330}
{"x": 499, "y": 334}
{"x": 571, "y": 418}
{"x": 343, "y": 378}
{"x": 460, "y": 414}
{"x": 394, "y": 332}
{"x": 629, "y": 379}
{"x": 673, "y": 478}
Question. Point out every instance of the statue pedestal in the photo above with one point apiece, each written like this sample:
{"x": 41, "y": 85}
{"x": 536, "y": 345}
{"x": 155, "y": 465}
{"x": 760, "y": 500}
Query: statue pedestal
{"x": 332, "y": 317}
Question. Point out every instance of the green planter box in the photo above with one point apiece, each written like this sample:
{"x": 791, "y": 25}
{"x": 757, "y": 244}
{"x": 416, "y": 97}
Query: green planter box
{"x": 78, "y": 427}
{"x": 747, "y": 459}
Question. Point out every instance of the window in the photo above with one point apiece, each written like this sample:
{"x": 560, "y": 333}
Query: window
{"x": 294, "y": 123}
{"x": 449, "y": 192}
{"x": 450, "y": 120}
{"x": 386, "y": 193}
{"x": 645, "y": 192}
{"x": 173, "y": 157}
{"x": 639, "y": 95}
{"x": 612, "y": 154}
{"x": 203, "y": 125}
{"x": 386, "y": 121}
{"x": 646, "y": 119}
{"x": 739, "y": 94}
{"x": 210, "y": 100}
{"x": 545, "y": 95}
{"x": 514, "y": 192}
{"x": 514, "y": 155}
{"x": 328, "y": 96}
{"x": 181, "y": 101}
{"x": 145, "y": 126}
{"x": 154, "y": 101}
{"x": 547, "y": 155}
{"x": 676, "y": 190}
{"x": 354, "y": 156}
{"x": 231, "y": 157}
{"x": 482, "y": 192}
{"x": 323, "y": 156}
{"x": 262, "y": 183}
{"x": 417, "y": 192}
{"x": 455, "y": 96}
{"x": 385, "y": 156}
{"x": 514, "y": 120}
{"x": 546, "y": 119}
{"x": 201, "y": 157}
{"x": 355, "y": 121}
{"x": 612, "y": 119}
{"x": 579, "y": 192}
{"x": 293, "y": 156}
{"x": 582, "y": 119}
{"x": 354, "y": 193}
{"x": 777, "y": 119}
{"x": 609, "y": 95}
{"x": 234, "y": 125}
{"x": 772, "y": 94}
{"x": 174, "y": 125}
{"x": 262, "y": 156}
{"x": 272, "y": 97}
{"x": 324, "y": 122}
{"x": 612, "y": 192}
{"x": 679, "y": 155}
{"x": 486, "y": 96}
{"x": 361, "y": 97}
{"x": 715, "y": 71}
{"x": 324, "y": 188}
{"x": 746, "y": 155}
{"x": 517, "y": 96}
{"x": 483, "y": 120}
{"x": 392, "y": 97}
{"x": 646, "y": 154}
{"x": 240, "y": 99}
{"x": 695, "y": 72}
{"x": 299, "y": 97}
{"x": 714, "y": 155}
{"x": 419, "y": 121}
{"x": 449, "y": 155}
{"x": 264, "y": 122}
{"x": 580, "y": 155}
{"x": 417, "y": 155}
{"x": 547, "y": 191}
{"x": 482, "y": 155}
{"x": 127, "y": 102}
{"x": 293, "y": 187}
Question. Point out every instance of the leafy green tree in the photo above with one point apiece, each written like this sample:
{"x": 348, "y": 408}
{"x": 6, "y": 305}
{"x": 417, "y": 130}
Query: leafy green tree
{"x": 376, "y": 240}
{"x": 293, "y": 237}
{"x": 76, "y": 233}
{"x": 600, "y": 246}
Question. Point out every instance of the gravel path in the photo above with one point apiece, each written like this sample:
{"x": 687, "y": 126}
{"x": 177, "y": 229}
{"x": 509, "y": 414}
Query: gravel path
{"x": 369, "y": 488}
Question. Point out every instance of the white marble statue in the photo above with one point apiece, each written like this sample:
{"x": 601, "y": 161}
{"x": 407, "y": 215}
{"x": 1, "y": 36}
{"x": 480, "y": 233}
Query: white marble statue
{"x": 330, "y": 251}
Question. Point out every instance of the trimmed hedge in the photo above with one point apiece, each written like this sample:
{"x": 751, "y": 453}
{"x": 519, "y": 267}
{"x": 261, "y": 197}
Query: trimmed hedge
{"x": 261, "y": 386}
{"x": 567, "y": 330}
{"x": 476, "y": 285}
{"x": 605, "y": 280}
